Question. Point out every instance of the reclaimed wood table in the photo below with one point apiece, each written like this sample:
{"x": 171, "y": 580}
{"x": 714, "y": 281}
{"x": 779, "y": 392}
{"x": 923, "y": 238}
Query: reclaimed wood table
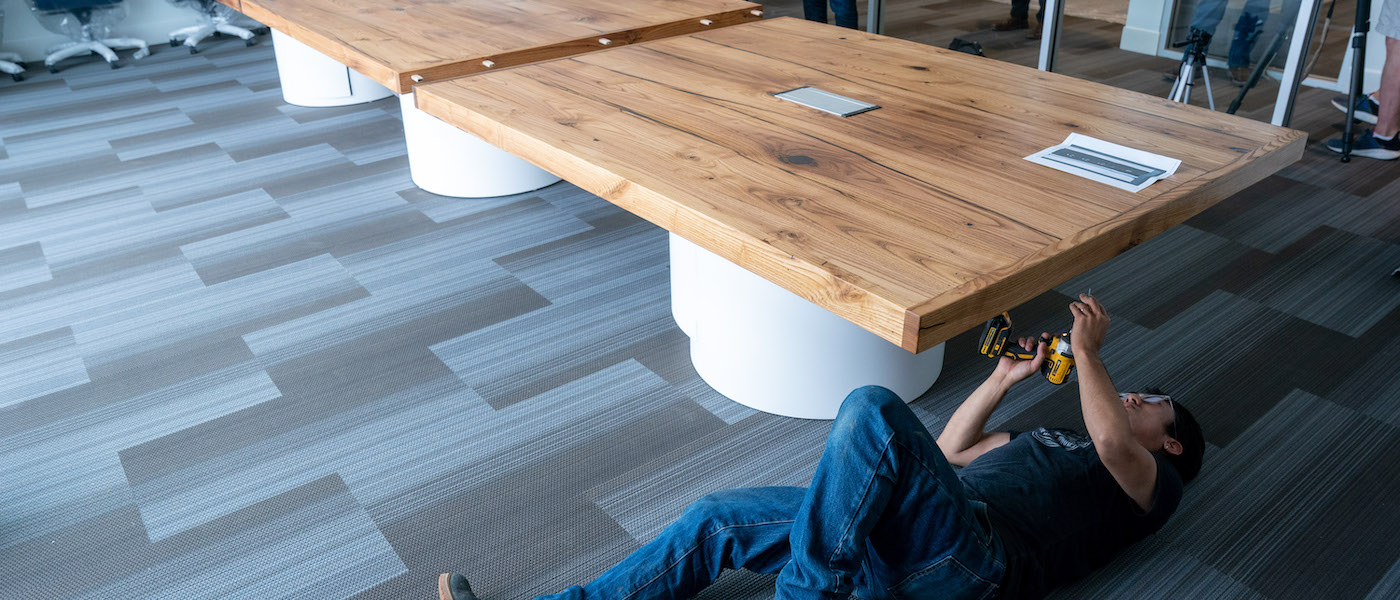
{"x": 812, "y": 253}
{"x": 339, "y": 52}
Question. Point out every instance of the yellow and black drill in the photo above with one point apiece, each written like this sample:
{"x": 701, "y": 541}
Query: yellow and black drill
{"x": 1059, "y": 360}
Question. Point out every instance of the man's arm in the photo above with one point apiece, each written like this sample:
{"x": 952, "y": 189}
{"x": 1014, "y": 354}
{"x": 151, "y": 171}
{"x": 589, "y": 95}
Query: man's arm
{"x": 963, "y": 438}
{"x": 1131, "y": 465}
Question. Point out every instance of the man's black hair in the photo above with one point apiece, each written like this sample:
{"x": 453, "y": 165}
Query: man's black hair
{"x": 1188, "y": 432}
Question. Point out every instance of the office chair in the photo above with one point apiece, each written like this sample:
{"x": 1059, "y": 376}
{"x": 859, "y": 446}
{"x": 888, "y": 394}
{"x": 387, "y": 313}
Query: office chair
{"x": 88, "y": 23}
{"x": 10, "y": 62}
{"x": 214, "y": 19}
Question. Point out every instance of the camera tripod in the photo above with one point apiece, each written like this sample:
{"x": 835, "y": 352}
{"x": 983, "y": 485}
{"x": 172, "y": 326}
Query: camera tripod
{"x": 1358, "y": 73}
{"x": 1193, "y": 57}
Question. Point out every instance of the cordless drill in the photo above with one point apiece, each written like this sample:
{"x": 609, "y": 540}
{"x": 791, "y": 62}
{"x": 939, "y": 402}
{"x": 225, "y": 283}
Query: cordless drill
{"x": 1059, "y": 360}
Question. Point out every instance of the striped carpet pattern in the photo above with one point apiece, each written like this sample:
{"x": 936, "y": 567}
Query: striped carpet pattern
{"x": 242, "y": 356}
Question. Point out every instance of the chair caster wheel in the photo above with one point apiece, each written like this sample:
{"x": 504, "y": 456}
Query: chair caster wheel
{"x": 218, "y": 35}
{"x": 263, "y": 31}
{"x": 174, "y": 42}
{"x": 17, "y": 77}
{"x": 53, "y": 69}
{"x": 194, "y": 50}
{"x": 250, "y": 42}
{"x": 116, "y": 64}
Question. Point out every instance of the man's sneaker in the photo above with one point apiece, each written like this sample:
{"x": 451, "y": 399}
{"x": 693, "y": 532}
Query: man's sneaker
{"x": 1368, "y": 146}
{"x": 1366, "y": 108}
{"x": 452, "y": 586}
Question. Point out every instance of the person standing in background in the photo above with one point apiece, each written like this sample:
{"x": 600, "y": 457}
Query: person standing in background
{"x": 1379, "y": 142}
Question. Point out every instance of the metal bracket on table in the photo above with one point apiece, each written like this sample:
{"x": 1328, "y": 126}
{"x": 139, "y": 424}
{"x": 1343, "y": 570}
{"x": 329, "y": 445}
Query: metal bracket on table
{"x": 1050, "y": 33}
{"x": 825, "y": 101}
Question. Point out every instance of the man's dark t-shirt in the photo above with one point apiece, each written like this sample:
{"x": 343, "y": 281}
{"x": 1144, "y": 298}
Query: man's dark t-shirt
{"x": 1057, "y": 509}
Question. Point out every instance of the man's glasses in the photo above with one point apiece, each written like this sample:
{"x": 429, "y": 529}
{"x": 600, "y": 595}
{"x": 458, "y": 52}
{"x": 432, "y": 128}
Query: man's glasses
{"x": 1155, "y": 398}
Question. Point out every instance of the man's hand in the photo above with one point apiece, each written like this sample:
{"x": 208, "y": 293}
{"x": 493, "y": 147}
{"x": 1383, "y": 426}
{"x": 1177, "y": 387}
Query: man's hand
{"x": 1090, "y": 326}
{"x": 1014, "y": 371}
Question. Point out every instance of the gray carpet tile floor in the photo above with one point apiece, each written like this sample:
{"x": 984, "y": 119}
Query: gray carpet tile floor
{"x": 242, "y": 356}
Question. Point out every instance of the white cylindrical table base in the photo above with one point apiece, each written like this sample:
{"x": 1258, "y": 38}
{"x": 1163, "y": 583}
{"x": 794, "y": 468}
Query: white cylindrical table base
{"x": 447, "y": 161}
{"x": 684, "y": 280}
{"x": 310, "y": 78}
{"x": 767, "y": 348}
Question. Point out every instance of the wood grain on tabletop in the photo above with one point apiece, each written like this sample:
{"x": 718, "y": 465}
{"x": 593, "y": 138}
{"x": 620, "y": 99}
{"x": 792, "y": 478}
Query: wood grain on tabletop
{"x": 916, "y": 221}
{"x": 391, "y": 42}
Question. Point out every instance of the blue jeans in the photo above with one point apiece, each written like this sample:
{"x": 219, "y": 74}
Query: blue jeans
{"x": 845, "y": 11}
{"x": 885, "y": 517}
{"x": 1209, "y": 12}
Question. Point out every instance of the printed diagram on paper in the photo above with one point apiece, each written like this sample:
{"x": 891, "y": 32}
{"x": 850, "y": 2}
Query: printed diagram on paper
{"x": 1105, "y": 162}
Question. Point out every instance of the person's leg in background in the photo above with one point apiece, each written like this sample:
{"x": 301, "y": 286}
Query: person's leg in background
{"x": 885, "y": 501}
{"x": 1247, "y": 30}
{"x": 845, "y": 12}
{"x": 1039, "y": 23}
{"x": 1381, "y": 141}
{"x": 1020, "y": 15}
{"x": 1020, "y": 19}
{"x": 1388, "y": 117}
{"x": 1207, "y": 15}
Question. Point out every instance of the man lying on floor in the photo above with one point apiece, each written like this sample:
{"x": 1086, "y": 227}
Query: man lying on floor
{"x": 886, "y": 516}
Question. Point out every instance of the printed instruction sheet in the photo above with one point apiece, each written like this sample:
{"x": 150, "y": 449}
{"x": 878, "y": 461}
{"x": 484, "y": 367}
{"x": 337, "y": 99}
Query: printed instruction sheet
{"x": 1105, "y": 162}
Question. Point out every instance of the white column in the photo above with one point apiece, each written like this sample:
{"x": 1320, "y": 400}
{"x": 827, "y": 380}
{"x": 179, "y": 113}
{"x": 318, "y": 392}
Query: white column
{"x": 310, "y": 78}
{"x": 1147, "y": 22}
{"x": 767, "y": 348}
{"x": 447, "y": 161}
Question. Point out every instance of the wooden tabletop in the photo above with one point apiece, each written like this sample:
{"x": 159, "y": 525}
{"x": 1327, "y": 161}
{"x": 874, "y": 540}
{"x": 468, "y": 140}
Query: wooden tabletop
{"x": 916, "y": 221}
{"x": 392, "y": 41}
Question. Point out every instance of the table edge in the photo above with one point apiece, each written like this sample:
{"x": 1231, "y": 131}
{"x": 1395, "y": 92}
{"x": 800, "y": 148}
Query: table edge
{"x": 927, "y": 326}
{"x": 400, "y": 79}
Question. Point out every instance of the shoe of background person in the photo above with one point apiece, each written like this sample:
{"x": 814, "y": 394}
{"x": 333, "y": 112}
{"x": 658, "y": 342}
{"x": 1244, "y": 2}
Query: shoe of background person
{"x": 1240, "y": 75}
{"x": 1035, "y": 33}
{"x": 1368, "y": 146}
{"x": 1366, "y": 108}
{"x": 452, "y": 586}
{"x": 1011, "y": 24}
